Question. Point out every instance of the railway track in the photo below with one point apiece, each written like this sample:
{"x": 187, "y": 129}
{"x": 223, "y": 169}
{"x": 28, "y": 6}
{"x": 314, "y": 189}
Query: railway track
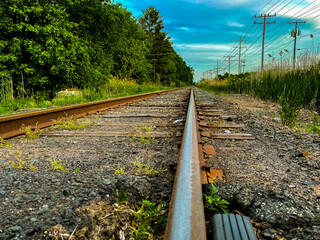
{"x": 133, "y": 149}
{"x": 10, "y": 126}
{"x": 129, "y": 148}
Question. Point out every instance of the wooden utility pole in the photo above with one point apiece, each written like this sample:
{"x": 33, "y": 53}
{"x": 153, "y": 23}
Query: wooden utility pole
{"x": 229, "y": 60}
{"x": 217, "y": 70}
{"x": 264, "y": 16}
{"x": 294, "y": 34}
{"x": 239, "y": 56}
{"x": 240, "y": 48}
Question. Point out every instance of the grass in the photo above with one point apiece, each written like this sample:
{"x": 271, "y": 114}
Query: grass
{"x": 144, "y": 168}
{"x": 57, "y": 165}
{"x": 151, "y": 219}
{"x": 72, "y": 123}
{"x": 113, "y": 88}
{"x": 20, "y": 162}
{"x": 120, "y": 170}
{"x": 5, "y": 143}
{"x": 145, "y": 135}
{"x": 32, "y": 133}
{"x": 293, "y": 89}
{"x": 314, "y": 127}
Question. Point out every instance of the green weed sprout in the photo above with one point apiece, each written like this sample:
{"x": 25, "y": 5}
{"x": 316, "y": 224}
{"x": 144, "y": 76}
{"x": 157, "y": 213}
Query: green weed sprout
{"x": 30, "y": 132}
{"x": 57, "y": 165}
{"x": 215, "y": 202}
{"x": 120, "y": 170}
{"x": 122, "y": 199}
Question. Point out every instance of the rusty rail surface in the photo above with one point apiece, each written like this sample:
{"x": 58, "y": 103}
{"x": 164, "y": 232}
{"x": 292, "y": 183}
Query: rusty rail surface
{"x": 10, "y": 125}
{"x": 186, "y": 214}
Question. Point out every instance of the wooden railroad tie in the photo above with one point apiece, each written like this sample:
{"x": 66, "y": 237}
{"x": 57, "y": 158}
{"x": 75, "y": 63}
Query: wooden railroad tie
{"x": 231, "y": 136}
{"x": 108, "y": 134}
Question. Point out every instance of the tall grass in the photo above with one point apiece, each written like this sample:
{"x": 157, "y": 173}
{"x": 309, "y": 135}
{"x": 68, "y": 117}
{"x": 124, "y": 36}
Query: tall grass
{"x": 113, "y": 88}
{"x": 300, "y": 86}
{"x": 293, "y": 89}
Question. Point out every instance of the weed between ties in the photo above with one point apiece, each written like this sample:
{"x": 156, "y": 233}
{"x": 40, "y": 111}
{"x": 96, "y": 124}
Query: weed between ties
{"x": 140, "y": 167}
{"x": 32, "y": 133}
{"x": 72, "y": 123}
{"x": 145, "y": 135}
{"x": 5, "y": 143}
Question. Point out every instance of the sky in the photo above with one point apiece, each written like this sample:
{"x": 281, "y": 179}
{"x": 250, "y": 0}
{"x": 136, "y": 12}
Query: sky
{"x": 204, "y": 31}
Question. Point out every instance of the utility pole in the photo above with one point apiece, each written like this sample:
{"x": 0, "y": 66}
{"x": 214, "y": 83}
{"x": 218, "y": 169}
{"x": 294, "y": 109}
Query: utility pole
{"x": 217, "y": 69}
{"x": 229, "y": 60}
{"x": 239, "y": 56}
{"x": 264, "y": 16}
{"x": 295, "y": 33}
{"x": 240, "y": 48}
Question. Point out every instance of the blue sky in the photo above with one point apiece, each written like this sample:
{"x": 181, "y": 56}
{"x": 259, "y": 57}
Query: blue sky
{"x": 204, "y": 31}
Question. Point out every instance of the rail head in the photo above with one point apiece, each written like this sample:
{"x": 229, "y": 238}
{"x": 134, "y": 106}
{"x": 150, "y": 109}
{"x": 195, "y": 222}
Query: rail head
{"x": 186, "y": 214}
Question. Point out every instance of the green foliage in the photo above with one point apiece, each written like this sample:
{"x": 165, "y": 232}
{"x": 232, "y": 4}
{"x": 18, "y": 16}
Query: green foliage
{"x": 144, "y": 168}
{"x": 77, "y": 170}
{"x": 294, "y": 89}
{"x": 72, "y": 123}
{"x": 120, "y": 170}
{"x": 214, "y": 202}
{"x": 314, "y": 127}
{"x": 151, "y": 220}
{"x": 57, "y": 165}
{"x": 18, "y": 161}
{"x": 168, "y": 68}
{"x": 32, "y": 133}
{"x": 122, "y": 199}
{"x": 46, "y": 46}
{"x": 5, "y": 143}
{"x": 145, "y": 135}
{"x": 289, "y": 111}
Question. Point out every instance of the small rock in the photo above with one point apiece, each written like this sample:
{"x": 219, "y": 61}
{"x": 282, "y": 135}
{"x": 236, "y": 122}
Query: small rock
{"x": 277, "y": 119}
{"x": 34, "y": 220}
{"x": 267, "y": 235}
{"x": 15, "y": 229}
{"x": 106, "y": 181}
{"x": 44, "y": 210}
{"x": 92, "y": 194}
{"x": 54, "y": 180}
{"x": 66, "y": 192}
{"x": 76, "y": 184}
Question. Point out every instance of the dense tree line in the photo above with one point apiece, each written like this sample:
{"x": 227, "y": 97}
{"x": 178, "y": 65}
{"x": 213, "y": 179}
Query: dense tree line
{"x": 47, "y": 45}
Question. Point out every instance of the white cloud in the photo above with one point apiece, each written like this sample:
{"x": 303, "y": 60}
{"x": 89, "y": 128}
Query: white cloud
{"x": 184, "y": 28}
{"x": 223, "y": 2}
{"x": 234, "y": 24}
{"x": 203, "y": 47}
{"x": 301, "y": 13}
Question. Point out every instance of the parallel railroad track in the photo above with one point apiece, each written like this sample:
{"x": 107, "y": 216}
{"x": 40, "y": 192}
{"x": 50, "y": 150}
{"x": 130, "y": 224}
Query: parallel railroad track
{"x": 151, "y": 131}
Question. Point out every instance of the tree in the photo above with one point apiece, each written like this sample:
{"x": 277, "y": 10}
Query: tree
{"x": 38, "y": 40}
{"x": 167, "y": 65}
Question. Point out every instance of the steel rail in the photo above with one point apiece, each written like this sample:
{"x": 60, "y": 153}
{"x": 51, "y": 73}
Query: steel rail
{"x": 186, "y": 214}
{"x": 10, "y": 126}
